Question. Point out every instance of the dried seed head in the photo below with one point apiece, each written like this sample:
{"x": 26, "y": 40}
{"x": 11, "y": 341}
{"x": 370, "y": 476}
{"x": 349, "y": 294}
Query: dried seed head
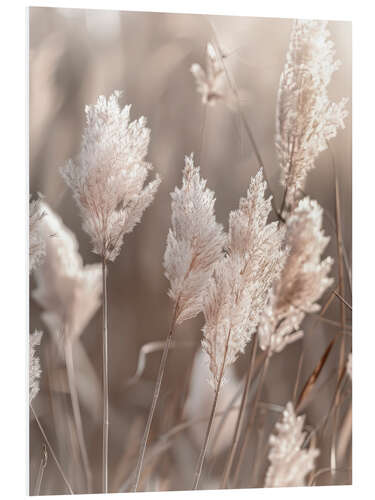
{"x": 306, "y": 119}
{"x": 34, "y": 364}
{"x": 242, "y": 280}
{"x": 289, "y": 462}
{"x": 107, "y": 177}
{"x": 37, "y": 247}
{"x": 303, "y": 279}
{"x": 210, "y": 83}
{"x": 68, "y": 291}
{"x": 195, "y": 241}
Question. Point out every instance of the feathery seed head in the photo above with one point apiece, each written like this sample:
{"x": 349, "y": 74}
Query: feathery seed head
{"x": 37, "y": 246}
{"x": 34, "y": 364}
{"x": 306, "y": 119}
{"x": 242, "y": 280}
{"x": 209, "y": 83}
{"x": 108, "y": 176}
{"x": 289, "y": 462}
{"x": 68, "y": 291}
{"x": 195, "y": 241}
{"x": 303, "y": 279}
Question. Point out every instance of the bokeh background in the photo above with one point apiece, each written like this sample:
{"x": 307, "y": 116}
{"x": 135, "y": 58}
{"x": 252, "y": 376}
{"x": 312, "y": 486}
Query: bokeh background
{"x": 76, "y": 55}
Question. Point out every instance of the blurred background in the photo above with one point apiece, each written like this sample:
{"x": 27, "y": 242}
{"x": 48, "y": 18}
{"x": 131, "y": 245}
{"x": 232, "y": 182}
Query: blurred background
{"x": 76, "y": 55}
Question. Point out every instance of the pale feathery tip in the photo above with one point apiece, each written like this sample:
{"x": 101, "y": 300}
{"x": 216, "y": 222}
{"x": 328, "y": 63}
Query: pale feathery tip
{"x": 210, "y": 82}
{"x": 306, "y": 118}
{"x": 289, "y": 462}
{"x": 37, "y": 245}
{"x": 240, "y": 285}
{"x": 68, "y": 291}
{"x": 108, "y": 175}
{"x": 34, "y": 364}
{"x": 302, "y": 282}
{"x": 194, "y": 243}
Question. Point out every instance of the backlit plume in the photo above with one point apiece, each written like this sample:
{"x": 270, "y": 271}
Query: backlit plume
{"x": 289, "y": 462}
{"x": 195, "y": 242}
{"x": 68, "y": 291}
{"x": 242, "y": 279}
{"x": 108, "y": 176}
{"x": 34, "y": 364}
{"x": 210, "y": 82}
{"x": 303, "y": 279}
{"x": 37, "y": 246}
{"x": 306, "y": 119}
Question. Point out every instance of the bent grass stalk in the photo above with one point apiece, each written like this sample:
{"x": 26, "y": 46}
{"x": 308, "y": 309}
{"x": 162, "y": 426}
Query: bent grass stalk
{"x": 77, "y": 412}
{"x": 67, "y": 484}
{"x": 155, "y": 398}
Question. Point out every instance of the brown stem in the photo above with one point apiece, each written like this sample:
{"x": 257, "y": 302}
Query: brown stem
{"x": 77, "y": 412}
{"x": 158, "y": 383}
{"x": 252, "y": 417}
{"x": 42, "y": 467}
{"x": 52, "y": 452}
{"x": 204, "y": 448}
{"x": 105, "y": 378}
{"x": 238, "y": 428}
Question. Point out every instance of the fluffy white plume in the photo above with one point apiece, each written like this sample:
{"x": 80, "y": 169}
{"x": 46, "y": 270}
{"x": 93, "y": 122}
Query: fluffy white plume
{"x": 107, "y": 178}
{"x": 195, "y": 241}
{"x": 68, "y": 291}
{"x": 303, "y": 280}
{"x": 289, "y": 462}
{"x": 34, "y": 364}
{"x": 241, "y": 282}
{"x": 37, "y": 246}
{"x": 306, "y": 119}
{"x": 210, "y": 83}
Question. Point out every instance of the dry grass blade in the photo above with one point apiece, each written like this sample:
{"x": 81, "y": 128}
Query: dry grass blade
{"x": 42, "y": 466}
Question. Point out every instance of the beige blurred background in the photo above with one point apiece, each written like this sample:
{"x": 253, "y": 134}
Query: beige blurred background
{"x": 76, "y": 55}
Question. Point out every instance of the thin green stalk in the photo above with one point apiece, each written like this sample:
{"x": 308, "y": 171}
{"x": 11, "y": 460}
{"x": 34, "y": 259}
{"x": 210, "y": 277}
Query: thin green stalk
{"x": 105, "y": 377}
{"x": 51, "y": 450}
{"x": 77, "y": 412}
{"x": 238, "y": 428}
{"x": 155, "y": 398}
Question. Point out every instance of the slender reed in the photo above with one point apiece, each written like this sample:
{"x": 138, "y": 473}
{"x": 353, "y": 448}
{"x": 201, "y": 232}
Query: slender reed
{"x": 155, "y": 398}
{"x": 42, "y": 467}
{"x": 77, "y": 412}
{"x": 204, "y": 448}
{"x": 67, "y": 484}
{"x": 105, "y": 378}
{"x": 251, "y": 418}
{"x": 238, "y": 428}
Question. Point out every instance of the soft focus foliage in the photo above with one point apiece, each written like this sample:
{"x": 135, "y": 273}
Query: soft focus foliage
{"x": 68, "y": 291}
{"x": 210, "y": 82}
{"x": 194, "y": 243}
{"x": 199, "y": 402}
{"x": 34, "y": 364}
{"x": 289, "y": 462}
{"x": 241, "y": 282}
{"x": 349, "y": 368}
{"x": 108, "y": 175}
{"x": 306, "y": 119}
{"x": 303, "y": 280}
{"x": 37, "y": 246}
